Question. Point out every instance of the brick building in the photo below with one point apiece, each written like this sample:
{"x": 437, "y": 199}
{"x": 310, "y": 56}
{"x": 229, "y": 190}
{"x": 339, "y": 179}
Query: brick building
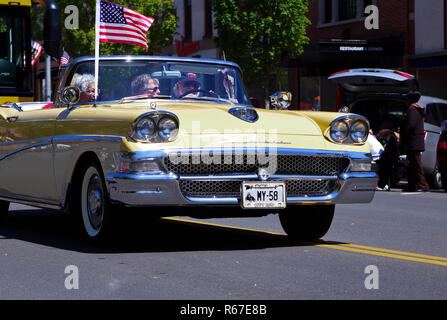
{"x": 340, "y": 40}
{"x": 411, "y": 37}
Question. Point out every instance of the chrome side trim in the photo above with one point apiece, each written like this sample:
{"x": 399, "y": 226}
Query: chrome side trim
{"x": 82, "y": 138}
{"x": 33, "y": 145}
{"x": 30, "y": 202}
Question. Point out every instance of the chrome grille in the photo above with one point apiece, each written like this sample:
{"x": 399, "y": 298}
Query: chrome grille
{"x": 223, "y": 189}
{"x": 193, "y": 164}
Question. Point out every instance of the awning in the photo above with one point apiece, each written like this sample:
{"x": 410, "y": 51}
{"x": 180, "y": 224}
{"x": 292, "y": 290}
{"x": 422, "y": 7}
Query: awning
{"x": 428, "y": 61}
{"x": 327, "y": 56}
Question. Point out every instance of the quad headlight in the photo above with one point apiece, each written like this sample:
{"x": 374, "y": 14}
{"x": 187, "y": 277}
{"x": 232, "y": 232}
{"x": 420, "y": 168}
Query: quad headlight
{"x": 155, "y": 127}
{"x": 359, "y": 131}
{"x": 349, "y": 129}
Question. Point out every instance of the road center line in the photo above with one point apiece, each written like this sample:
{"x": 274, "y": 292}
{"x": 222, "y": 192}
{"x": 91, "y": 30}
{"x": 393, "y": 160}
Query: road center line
{"x": 402, "y": 255}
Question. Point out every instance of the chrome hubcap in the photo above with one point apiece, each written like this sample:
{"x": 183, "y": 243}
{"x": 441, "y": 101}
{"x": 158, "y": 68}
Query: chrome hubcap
{"x": 95, "y": 203}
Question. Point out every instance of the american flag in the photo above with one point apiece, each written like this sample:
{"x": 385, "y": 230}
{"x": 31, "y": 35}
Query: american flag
{"x": 120, "y": 24}
{"x": 36, "y": 51}
{"x": 64, "y": 58}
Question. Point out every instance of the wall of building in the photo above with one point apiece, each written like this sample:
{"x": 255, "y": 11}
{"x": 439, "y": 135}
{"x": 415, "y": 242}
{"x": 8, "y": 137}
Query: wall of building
{"x": 429, "y": 26}
{"x": 395, "y": 24}
{"x": 393, "y": 20}
{"x": 430, "y": 57}
{"x": 200, "y": 45}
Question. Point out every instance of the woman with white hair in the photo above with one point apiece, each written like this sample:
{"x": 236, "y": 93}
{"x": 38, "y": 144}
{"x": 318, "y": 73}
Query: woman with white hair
{"x": 86, "y": 82}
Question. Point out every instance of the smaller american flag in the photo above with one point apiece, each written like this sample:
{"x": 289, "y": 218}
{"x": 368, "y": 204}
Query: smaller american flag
{"x": 120, "y": 24}
{"x": 64, "y": 58}
{"x": 36, "y": 51}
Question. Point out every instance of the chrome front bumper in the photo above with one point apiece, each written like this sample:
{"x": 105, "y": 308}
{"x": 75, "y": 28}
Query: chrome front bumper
{"x": 159, "y": 188}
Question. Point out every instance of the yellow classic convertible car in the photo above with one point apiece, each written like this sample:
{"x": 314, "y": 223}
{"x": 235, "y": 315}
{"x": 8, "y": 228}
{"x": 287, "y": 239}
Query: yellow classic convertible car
{"x": 162, "y": 132}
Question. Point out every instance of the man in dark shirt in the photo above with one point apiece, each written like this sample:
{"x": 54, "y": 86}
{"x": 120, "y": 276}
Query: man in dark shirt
{"x": 412, "y": 143}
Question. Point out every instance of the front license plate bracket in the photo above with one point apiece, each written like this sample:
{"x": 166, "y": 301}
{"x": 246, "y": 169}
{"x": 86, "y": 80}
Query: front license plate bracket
{"x": 263, "y": 195}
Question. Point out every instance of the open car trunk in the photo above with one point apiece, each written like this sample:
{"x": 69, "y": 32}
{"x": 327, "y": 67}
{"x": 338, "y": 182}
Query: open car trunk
{"x": 358, "y": 81}
{"x": 383, "y": 113}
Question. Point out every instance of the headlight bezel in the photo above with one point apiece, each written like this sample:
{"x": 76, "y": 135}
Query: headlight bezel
{"x": 350, "y": 121}
{"x": 156, "y": 117}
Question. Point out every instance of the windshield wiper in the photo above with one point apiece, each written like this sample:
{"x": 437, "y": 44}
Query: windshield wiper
{"x": 144, "y": 96}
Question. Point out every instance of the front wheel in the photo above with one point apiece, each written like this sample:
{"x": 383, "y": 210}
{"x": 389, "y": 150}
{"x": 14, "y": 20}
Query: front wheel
{"x": 307, "y": 222}
{"x": 91, "y": 206}
{"x": 4, "y": 208}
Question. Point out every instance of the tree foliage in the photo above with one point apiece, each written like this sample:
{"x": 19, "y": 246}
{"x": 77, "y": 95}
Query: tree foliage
{"x": 81, "y": 42}
{"x": 259, "y": 34}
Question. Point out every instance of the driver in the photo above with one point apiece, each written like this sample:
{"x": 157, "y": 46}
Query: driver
{"x": 188, "y": 83}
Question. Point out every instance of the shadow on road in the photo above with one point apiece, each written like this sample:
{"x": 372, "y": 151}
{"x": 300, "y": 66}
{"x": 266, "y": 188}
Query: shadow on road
{"x": 136, "y": 233}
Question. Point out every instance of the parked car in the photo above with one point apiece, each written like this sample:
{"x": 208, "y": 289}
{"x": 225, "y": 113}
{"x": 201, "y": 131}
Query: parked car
{"x": 379, "y": 95}
{"x": 197, "y": 150}
{"x": 442, "y": 154}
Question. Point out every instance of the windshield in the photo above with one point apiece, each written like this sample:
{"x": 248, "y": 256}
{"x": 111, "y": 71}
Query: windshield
{"x": 122, "y": 80}
{"x": 15, "y": 75}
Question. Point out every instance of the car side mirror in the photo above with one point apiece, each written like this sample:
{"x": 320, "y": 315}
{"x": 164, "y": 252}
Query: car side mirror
{"x": 281, "y": 100}
{"x": 344, "y": 109}
{"x": 69, "y": 96}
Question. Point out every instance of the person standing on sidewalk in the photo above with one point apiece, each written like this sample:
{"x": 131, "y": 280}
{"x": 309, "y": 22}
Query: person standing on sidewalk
{"x": 412, "y": 143}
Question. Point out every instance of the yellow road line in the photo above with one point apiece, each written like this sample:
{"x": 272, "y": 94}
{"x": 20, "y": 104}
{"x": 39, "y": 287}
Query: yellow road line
{"x": 407, "y": 255}
{"x": 402, "y": 255}
{"x": 222, "y": 226}
{"x": 397, "y": 252}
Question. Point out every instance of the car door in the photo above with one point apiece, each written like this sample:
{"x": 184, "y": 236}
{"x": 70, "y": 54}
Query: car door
{"x": 26, "y": 155}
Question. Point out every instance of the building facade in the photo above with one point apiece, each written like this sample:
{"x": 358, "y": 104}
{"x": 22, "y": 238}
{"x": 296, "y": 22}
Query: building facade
{"x": 409, "y": 35}
{"x": 195, "y": 32}
{"x": 429, "y": 61}
{"x": 341, "y": 38}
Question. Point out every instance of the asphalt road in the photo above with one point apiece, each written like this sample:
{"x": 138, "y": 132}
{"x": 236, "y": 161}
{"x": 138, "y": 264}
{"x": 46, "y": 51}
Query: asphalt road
{"x": 393, "y": 248}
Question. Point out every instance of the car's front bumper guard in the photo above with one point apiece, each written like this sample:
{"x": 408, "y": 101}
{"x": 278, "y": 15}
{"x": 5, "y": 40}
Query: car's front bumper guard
{"x": 163, "y": 189}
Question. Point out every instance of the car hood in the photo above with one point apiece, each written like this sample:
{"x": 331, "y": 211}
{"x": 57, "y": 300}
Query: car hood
{"x": 208, "y": 125}
{"x": 210, "y": 118}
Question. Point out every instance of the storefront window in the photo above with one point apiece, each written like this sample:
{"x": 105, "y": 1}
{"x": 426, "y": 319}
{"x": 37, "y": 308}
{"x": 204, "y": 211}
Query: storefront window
{"x": 347, "y": 9}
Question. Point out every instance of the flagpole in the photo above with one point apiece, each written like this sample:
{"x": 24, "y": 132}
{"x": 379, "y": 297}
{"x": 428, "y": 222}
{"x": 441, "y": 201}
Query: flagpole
{"x": 97, "y": 18}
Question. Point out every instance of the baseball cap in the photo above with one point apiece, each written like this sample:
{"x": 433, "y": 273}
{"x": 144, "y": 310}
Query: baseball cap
{"x": 190, "y": 79}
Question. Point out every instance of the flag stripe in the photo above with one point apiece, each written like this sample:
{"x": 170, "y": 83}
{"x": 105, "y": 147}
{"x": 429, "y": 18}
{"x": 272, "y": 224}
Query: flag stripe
{"x": 121, "y": 37}
{"x": 127, "y": 42}
{"x": 137, "y": 15}
{"x": 141, "y": 24}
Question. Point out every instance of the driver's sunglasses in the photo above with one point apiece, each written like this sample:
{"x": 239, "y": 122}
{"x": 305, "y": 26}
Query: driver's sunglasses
{"x": 146, "y": 90}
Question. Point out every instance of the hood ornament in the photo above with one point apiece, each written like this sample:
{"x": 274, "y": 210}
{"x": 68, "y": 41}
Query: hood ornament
{"x": 245, "y": 113}
{"x": 263, "y": 174}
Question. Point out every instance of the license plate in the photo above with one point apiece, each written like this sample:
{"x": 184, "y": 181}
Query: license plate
{"x": 263, "y": 195}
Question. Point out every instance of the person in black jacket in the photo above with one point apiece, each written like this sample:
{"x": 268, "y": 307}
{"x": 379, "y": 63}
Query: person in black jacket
{"x": 412, "y": 143}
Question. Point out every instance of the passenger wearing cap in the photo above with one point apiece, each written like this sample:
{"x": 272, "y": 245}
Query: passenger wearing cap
{"x": 187, "y": 87}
